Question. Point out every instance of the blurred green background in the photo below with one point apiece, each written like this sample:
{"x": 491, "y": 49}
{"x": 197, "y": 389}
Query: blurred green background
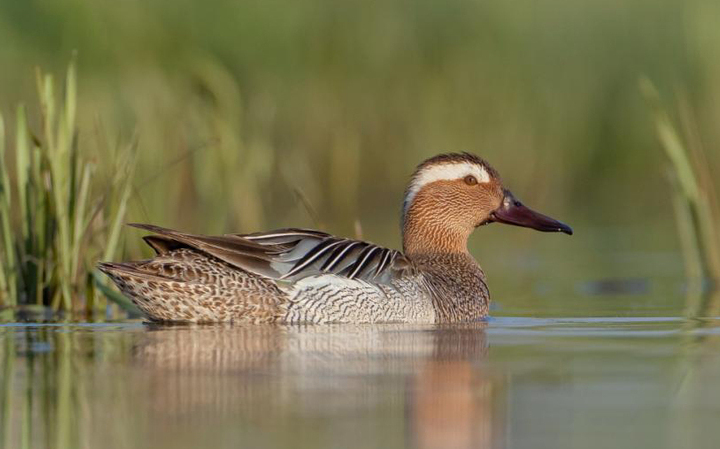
{"x": 263, "y": 114}
{"x": 252, "y": 115}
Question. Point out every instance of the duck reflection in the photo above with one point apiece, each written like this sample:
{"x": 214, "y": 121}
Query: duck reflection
{"x": 430, "y": 379}
{"x": 452, "y": 403}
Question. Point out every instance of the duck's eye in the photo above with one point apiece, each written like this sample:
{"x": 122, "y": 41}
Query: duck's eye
{"x": 470, "y": 180}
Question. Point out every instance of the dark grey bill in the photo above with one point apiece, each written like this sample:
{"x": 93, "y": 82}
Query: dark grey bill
{"x": 513, "y": 212}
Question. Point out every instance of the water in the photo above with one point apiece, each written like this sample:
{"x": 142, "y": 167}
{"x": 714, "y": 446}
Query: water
{"x": 509, "y": 383}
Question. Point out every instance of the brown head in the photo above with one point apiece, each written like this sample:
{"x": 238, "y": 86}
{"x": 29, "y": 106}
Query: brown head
{"x": 452, "y": 194}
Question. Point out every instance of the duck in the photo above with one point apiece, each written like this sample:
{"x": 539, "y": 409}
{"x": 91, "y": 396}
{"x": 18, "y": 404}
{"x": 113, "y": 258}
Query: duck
{"x": 305, "y": 276}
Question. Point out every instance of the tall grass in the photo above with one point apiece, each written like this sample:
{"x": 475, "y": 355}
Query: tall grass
{"x": 696, "y": 207}
{"x": 56, "y": 218}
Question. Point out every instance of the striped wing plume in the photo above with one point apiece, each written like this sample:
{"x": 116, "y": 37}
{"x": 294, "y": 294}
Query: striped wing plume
{"x": 290, "y": 254}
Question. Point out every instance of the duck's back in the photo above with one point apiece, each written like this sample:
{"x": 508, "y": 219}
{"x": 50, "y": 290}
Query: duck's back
{"x": 293, "y": 276}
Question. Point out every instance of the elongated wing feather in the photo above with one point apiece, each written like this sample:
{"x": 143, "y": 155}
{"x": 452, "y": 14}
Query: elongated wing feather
{"x": 290, "y": 254}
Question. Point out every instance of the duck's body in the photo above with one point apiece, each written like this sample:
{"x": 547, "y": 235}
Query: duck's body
{"x": 305, "y": 276}
{"x": 297, "y": 276}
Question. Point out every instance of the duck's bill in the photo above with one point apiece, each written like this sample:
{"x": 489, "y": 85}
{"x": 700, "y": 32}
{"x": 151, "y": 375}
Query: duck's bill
{"x": 513, "y": 212}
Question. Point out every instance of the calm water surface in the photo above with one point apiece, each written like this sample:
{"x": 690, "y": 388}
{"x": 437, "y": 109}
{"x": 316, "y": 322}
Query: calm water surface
{"x": 508, "y": 383}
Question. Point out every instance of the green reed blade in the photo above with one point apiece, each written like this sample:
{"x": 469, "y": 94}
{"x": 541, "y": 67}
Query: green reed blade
{"x": 671, "y": 142}
{"x": 117, "y": 220}
{"x": 692, "y": 255}
{"x": 61, "y": 168}
{"x": 47, "y": 107}
{"x": 81, "y": 218}
{"x": 70, "y": 99}
{"x": 38, "y": 228}
{"x": 22, "y": 165}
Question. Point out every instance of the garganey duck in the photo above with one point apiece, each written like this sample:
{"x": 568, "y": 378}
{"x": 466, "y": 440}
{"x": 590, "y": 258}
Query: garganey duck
{"x": 307, "y": 276}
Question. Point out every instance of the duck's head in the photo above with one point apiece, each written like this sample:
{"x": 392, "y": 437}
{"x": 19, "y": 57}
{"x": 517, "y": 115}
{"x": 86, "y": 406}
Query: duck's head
{"x": 452, "y": 194}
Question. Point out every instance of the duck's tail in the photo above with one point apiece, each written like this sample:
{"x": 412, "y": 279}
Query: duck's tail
{"x": 155, "y": 295}
{"x": 186, "y": 286}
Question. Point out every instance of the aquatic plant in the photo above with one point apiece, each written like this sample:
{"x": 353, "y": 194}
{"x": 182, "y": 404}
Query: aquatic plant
{"x": 56, "y": 216}
{"x": 696, "y": 206}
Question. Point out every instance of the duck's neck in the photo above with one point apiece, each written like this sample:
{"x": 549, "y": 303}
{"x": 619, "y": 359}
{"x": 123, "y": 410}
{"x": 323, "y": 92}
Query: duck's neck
{"x": 431, "y": 231}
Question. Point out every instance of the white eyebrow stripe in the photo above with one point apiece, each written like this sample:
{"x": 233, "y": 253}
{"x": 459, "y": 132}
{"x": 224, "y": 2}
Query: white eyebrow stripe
{"x": 444, "y": 172}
